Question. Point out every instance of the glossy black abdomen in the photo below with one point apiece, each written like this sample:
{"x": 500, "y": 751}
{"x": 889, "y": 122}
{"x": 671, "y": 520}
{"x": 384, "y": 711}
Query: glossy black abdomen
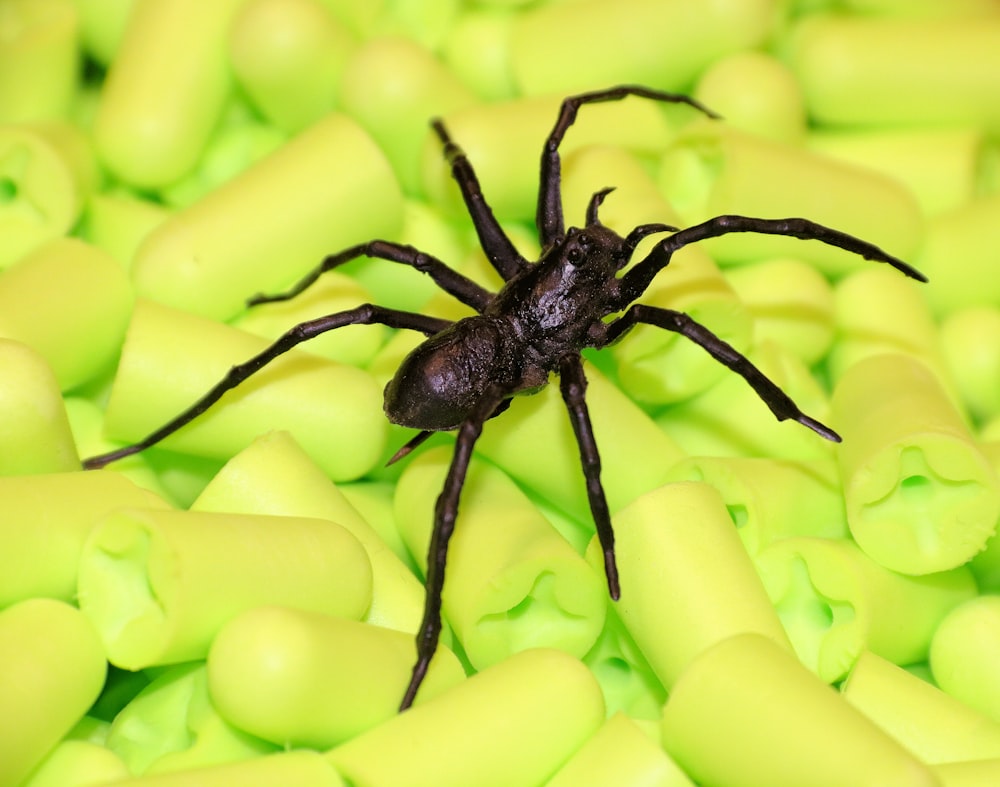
{"x": 438, "y": 384}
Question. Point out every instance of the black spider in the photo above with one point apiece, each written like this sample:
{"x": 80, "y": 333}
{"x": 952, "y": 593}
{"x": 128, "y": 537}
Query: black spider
{"x": 546, "y": 313}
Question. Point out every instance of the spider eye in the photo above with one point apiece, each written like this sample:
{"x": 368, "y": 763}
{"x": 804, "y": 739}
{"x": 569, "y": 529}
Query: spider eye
{"x": 578, "y": 248}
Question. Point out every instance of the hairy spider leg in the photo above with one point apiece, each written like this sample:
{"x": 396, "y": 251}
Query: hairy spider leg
{"x": 777, "y": 400}
{"x": 639, "y": 277}
{"x": 497, "y": 247}
{"x": 549, "y": 214}
{"x": 366, "y": 314}
{"x": 445, "y": 514}
{"x": 573, "y": 386}
{"x": 452, "y": 282}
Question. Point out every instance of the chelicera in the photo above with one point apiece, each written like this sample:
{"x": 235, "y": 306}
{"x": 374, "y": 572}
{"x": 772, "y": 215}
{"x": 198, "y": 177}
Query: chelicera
{"x": 545, "y": 314}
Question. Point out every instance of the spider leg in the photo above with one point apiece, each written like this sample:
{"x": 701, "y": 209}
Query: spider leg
{"x": 409, "y": 446}
{"x": 504, "y": 258}
{"x": 452, "y": 282}
{"x": 366, "y": 314}
{"x": 445, "y": 513}
{"x": 418, "y": 439}
{"x": 638, "y": 278}
{"x": 549, "y": 216}
{"x": 573, "y": 386}
{"x": 777, "y": 400}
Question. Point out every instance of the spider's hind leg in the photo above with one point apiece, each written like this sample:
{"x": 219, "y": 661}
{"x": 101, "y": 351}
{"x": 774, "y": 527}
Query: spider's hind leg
{"x": 573, "y": 386}
{"x": 366, "y": 314}
{"x": 445, "y": 514}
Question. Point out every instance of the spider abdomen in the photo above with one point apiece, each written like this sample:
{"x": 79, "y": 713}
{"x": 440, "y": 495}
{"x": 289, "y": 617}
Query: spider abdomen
{"x": 439, "y": 383}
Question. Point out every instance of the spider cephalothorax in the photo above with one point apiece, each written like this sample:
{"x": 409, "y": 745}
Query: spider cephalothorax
{"x": 574, "y": 297}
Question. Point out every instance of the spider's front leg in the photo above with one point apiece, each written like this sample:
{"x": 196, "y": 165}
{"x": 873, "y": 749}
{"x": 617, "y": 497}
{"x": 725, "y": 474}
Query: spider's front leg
{"x": 639, "y": 277}
{"x": 777, "y": 400}
{"x": 445, "y": 514}
{"x": 366, "y": 314}
{"x": 549, "y": 215}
